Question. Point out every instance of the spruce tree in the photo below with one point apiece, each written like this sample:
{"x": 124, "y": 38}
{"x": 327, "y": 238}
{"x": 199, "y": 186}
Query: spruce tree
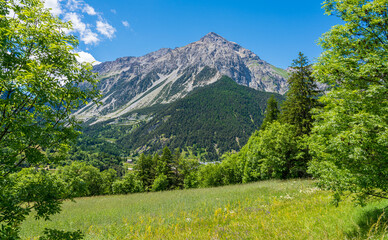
{"x": 301, "y": 97}
{"x": 164, "y": 165}
{"x": 271, "y": 112}
{"x": 177, "y": 181}
{"x": 144, "y": 170}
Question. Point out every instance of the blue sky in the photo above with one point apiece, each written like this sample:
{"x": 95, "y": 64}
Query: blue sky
{"x": 275, "y": 30}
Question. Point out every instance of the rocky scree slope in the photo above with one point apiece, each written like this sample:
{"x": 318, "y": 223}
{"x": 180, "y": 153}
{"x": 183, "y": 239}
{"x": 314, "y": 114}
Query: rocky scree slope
{"x": 161, "y": 77}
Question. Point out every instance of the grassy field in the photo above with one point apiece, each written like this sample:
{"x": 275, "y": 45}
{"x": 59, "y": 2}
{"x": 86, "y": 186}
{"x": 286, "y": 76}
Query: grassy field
{"x": 263, "y": 210}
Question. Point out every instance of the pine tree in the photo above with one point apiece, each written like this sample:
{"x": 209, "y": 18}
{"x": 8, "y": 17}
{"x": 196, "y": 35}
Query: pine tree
{"x": 271, "y": 112}
{"x": 301, "y": 97}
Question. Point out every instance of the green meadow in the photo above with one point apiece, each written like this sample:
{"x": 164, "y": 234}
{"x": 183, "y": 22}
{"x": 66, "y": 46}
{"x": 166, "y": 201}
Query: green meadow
{"x": 293, "y": 209}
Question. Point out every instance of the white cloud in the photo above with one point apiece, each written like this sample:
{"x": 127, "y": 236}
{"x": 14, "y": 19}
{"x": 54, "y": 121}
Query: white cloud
{"x": 75, "y": 11}
{"x": 105, "y": 29}
{"x": 86, "y": 57}
{"x": 73, "y": 5}
{"x": 86, "y": 35}
{"x": 76, "y": 21}
{"x": 89, "y": 10}
{"x": 126, "y": 24}
{"x": 54, "y": 6}
{"x": 113, "y": 11}
{"x": 89, "y": 37}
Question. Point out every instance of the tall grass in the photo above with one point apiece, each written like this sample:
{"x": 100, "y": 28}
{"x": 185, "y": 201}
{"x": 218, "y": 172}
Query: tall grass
{"x": 263, "y": 210}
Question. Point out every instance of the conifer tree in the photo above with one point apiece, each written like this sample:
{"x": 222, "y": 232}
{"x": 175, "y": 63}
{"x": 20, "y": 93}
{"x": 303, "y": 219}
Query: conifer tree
{"x": 164, "y": 166}
{"x": 177, "y": 181}
{"x": 144, "y": 170}
{"x": 301, "y": 97}
{"x": 271, "y": 112}
{"x": 155, "y": 162}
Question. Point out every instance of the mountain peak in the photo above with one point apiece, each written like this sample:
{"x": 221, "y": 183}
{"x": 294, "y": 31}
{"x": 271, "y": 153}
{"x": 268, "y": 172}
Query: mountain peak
{"x": 212, "y": 37}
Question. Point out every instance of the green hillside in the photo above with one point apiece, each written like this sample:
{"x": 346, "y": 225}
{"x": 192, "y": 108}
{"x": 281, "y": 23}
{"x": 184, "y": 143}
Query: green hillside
{"x": 292, "y": 209}
{"x": 219, "y": 117}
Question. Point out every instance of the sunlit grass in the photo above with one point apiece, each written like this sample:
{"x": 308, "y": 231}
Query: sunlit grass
{"x": 264, "y": 210}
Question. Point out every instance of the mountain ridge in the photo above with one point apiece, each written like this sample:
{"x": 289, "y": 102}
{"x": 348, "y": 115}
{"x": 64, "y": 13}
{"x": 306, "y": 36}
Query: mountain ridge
{"x": 163, "y": 76}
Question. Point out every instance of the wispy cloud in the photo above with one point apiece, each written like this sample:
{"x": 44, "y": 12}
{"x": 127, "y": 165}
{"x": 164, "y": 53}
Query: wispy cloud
{"x": 76, "y": 21}
{"x": 113, "y": 11}
{"x": 89, "y": 37}
{"x": 74, "y": 11}
{"x": 73, "y": 5}
{"x": 126, "y": 24}
{"x": 86, "y": 34}
{"x": 105, "y": 29}
{"x": 54, "y": 6}
{"x": 89, "y": 10}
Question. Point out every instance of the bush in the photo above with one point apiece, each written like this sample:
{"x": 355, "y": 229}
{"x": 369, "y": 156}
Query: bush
{"x": 108, "y": 178}
{"x": 161, "y": 183}
{"x": 210, "y": 175}
{"x": 190, "y": 181}
{"x": 81, "y": 179}
{"x": 128, "y": 184}
{"x": 279, "y": 152}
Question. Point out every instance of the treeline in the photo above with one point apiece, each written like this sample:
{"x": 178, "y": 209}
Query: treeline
{"x": 278, "y": 150}
{"x": 284, "y": 147}
{"x": 98, "y": 158}
{"x": 150, "y": 173}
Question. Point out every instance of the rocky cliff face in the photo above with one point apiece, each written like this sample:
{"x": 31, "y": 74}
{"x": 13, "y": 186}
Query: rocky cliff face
{"x": 163, "y": 76}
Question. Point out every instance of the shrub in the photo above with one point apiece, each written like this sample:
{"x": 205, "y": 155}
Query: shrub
{"x": 128, "y": 184}
{"x": 161, "y": 183}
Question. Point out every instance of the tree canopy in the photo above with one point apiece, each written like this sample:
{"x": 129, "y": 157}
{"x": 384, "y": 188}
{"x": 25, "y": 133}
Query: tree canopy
{"x": 40, "y": 81}
{"x": 349, "y": 139}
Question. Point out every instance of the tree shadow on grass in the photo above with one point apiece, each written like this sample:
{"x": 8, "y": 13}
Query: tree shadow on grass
{"x": 372, "y": 223}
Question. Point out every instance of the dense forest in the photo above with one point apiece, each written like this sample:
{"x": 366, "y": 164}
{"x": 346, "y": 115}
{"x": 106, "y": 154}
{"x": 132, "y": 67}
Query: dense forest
{"x": 211, "y": 120}
{"x": 218, "y": 118}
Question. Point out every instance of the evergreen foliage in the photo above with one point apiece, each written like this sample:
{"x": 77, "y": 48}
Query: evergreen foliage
{"x": 217, "y": 118}
{"x": 271, "y": 112}
{"x": 145, "y": 170}
{"x": 301, "y": 96}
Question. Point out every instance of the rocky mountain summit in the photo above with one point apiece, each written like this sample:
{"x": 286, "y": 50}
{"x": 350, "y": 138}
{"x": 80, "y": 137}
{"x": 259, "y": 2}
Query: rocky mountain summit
{"x": 160, "y": 77}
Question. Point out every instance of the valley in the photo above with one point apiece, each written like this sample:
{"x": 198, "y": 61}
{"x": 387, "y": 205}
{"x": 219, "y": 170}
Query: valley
{"x": 193, "y": 137}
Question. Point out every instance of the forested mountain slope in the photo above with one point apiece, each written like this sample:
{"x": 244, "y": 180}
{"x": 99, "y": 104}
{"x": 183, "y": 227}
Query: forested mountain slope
{"x": 218, "y": 118}
{"x": 164, "y": 76}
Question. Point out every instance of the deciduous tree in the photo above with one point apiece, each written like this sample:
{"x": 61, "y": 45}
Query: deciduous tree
{"x": 40, "y": 82}
{"x": 350, "y": 136}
